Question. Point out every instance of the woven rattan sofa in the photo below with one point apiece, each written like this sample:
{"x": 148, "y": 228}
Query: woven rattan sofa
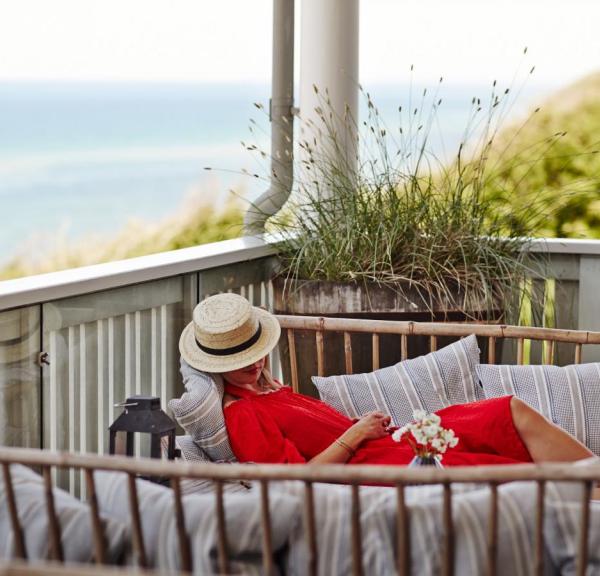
{"x": 267, "y": 476}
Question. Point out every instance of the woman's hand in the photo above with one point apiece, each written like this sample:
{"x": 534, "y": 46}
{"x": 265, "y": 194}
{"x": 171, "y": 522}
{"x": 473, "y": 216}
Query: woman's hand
{"x": 371, "y": 426}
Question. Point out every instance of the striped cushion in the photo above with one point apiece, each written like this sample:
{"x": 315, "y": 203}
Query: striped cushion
{"x": 73, "y": 517}
{"x": 429, "y": 382}
{"x": 191, "y": 452}
{"x": 200, "y": 413}
{"x": 568, "y": 396}
{"x": 161, "y": 536}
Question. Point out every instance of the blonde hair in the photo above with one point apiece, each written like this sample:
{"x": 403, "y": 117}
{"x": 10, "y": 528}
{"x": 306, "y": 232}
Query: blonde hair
{"x": 266, "y": 380}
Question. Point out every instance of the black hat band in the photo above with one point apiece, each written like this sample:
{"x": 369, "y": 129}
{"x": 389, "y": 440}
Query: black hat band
{"x": 233, "y": 349}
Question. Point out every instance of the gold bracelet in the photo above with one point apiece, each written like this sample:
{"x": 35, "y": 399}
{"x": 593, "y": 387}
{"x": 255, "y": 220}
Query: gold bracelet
{"x": 348, "y": 449}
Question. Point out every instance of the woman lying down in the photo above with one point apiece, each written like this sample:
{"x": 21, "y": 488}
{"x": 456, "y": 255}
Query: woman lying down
{"x": 269, "y": 423}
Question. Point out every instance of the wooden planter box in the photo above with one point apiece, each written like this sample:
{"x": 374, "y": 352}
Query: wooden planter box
{"x": 348, "y": 300}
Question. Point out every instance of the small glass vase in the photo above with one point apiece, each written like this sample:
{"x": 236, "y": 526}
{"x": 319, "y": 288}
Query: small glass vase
{"x": 425, "y": 461}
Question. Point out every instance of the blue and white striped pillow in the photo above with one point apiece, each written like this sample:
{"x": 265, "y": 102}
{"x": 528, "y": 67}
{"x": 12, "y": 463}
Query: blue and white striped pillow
{"x": 200, "y": 413}
{"x": 568, "y": 396}
{"x": 191, "y": 452}
{"x": 428, "y": 382}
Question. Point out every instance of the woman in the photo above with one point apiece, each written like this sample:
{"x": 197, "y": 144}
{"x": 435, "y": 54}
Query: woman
{"x": 267, "y": 422}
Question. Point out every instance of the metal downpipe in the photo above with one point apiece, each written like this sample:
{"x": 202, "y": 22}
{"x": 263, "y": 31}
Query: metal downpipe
{"x": 282, "y": 121}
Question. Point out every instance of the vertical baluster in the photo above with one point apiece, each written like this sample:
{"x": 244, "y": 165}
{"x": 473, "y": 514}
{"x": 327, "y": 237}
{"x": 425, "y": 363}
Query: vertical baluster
{"x": 539, "y": 529}
{"x": 251, "y": 294}
{"x": 266, "y": 528}
{"x": 320, "y": 353}
{"x": 492, "y": 350}
{"x": 549, "y": 351}
{"x": 20, "y": 551}
{"x": 311, "y": 528}
{"x": 263, "y": 295}
{"x": 97, "y": 528}
{"x": 375, "y": 348}
{"x": 578, "y": 348}
{"x": 155, "y": 352}
{"x": 221, "y": 529}
{"x": 83, "y": 403}
{"x": 448, "y": 561}
{"x": 128, "y": 344}
{"x": 357, "y": 563}
{"x": 53, "y": 396}
{"x": 293, "y": 359}
{"x": 432, "y": 343}
{"x": 403, "y": 346}
{"x": 111, "y": 369}
{"x": 138, "y": 369}
{"x": 163, "y": 356}
{"x": 184, "y": 542}
{"x": 520, "y": 345}
{"x": 270, "y": 295}
{"x": 54, "y": 536}
{"x": 348, "y": 352}
{"x": 584, "y": 530}
{"x": 403, "y": 534}
{"x": 101, "y": 392}
{"x": 71, "y": 402}
{"x": 492, "y": 542}
{"x": 136, "y": 523}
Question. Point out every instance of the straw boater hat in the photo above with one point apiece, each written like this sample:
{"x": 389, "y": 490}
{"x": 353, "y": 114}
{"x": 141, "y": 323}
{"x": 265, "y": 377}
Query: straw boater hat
{"x": 228, "y": 333}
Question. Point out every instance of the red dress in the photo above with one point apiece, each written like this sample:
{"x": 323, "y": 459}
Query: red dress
{"x": 285, "y": 427}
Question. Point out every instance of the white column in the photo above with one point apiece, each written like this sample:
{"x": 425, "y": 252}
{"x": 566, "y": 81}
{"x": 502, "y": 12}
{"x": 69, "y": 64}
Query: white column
{"x": 329, "y": 61}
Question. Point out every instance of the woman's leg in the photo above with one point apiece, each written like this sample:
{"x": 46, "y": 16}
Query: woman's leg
{"x": 545, "y": 441}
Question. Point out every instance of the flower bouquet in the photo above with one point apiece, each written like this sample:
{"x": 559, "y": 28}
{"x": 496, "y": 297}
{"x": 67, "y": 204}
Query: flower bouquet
{"x": 427, "y": 438}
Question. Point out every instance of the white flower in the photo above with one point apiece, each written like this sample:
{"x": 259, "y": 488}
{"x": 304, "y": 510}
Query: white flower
{"x": 431, "y": 430}
{"x": 453, "y": 442}
{"x": 397, "y": 434}
{"x": 438, "y": 444}
{"x": 419, "y": 436}
{"x": 434, "y": 419}
{"x": 447, "y": 434}
{"x": 419, "y": 414}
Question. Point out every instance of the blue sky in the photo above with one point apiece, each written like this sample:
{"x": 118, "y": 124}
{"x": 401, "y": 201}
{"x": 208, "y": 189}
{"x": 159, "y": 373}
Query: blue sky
{"x": 230, "y": 40}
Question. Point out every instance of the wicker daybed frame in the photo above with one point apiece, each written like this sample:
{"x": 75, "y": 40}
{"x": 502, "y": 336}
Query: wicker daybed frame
{"x": 309, "y": 474}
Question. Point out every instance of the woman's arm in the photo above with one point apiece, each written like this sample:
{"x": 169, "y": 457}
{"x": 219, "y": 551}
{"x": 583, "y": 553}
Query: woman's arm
{"x": 371, "y": 426}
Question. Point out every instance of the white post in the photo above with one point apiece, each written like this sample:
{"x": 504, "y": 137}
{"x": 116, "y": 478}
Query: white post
{"x": 329, "y": 61}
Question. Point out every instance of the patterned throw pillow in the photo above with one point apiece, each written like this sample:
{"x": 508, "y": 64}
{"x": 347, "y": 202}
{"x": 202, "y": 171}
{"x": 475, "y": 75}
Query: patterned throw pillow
{"x": 429, "y": 382}
{"x": 568, "y": 396}
{"x": 191, "y": 452}
{"x": 200, "y": 413}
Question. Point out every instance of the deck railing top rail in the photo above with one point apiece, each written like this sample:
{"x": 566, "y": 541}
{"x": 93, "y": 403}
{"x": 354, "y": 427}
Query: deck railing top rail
{"x": 55, "y": 285}
{"x": 331, "y": 473}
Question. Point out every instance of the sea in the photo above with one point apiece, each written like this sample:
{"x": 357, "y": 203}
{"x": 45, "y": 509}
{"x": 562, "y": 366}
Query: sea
{"x": 83, "y": 159}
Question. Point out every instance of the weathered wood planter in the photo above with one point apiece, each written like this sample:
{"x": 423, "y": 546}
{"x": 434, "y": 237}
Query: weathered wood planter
{"x": 354, "y": 300}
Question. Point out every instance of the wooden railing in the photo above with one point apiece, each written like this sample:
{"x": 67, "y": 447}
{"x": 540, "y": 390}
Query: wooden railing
{"x": 266, "y": 475}
{"x": 74, "y": 343}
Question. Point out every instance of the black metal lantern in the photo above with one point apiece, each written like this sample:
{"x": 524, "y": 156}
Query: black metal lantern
{"x": 142, "y": 414}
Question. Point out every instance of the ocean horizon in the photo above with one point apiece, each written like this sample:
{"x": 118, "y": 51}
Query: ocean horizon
{"x": 83, "y": 159}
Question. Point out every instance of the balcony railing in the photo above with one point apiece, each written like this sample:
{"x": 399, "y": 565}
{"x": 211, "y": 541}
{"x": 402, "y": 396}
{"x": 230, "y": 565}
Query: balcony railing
{"x": 74, "y": 343}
